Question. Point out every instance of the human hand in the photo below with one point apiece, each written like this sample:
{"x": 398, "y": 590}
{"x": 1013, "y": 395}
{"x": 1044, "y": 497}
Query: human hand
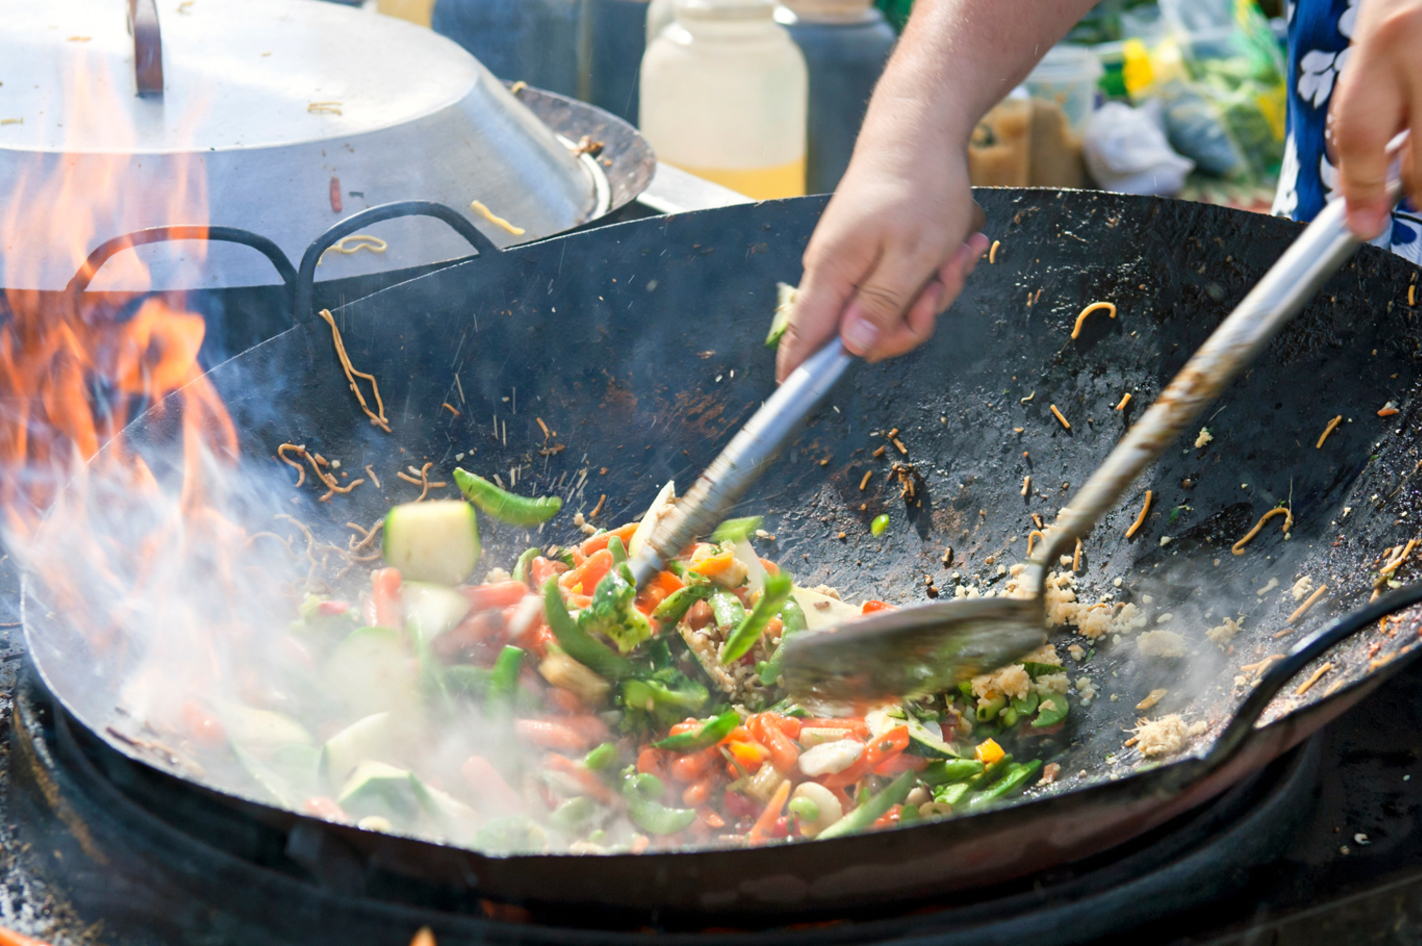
{"x": 1378, "y": 96}
{"x": 889, "y": 254}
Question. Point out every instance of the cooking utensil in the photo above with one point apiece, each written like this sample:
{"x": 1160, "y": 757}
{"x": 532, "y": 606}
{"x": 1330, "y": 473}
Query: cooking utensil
{"x": 280, "y": 119}
{"x": 929, "y": 648}
{"x": 651, "y": 398}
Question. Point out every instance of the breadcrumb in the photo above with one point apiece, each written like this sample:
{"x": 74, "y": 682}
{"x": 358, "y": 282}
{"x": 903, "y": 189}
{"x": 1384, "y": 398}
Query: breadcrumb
{"x": 1010, "y": 681}
{"x": 1224, "y": 633}
{"x": 1204, "y": 438}
{"x": 1301, "y": 588}
{"x": 1165, "y": 736}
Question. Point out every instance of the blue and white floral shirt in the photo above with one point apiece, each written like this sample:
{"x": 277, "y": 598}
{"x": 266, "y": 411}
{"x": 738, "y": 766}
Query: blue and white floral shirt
{"x": 1319, "y": 33}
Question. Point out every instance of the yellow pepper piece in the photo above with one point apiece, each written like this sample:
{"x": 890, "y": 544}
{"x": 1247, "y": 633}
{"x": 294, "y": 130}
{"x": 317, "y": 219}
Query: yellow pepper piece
{"x": 749, "y": 754}
{"x": 988, "y": 752}
{"x": 712, "y": 563}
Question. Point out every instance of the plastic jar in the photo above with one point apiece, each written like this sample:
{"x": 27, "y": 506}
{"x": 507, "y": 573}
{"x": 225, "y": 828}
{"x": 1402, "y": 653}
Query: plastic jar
{"x": 845, "y": 44}
{"x": 1064, "y": 90}
{"x": 724, "y": 96}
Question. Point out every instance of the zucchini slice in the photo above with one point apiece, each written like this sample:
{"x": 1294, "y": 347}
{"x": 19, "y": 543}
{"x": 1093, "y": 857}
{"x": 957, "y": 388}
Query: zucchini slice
{"x": 436, "y": 541}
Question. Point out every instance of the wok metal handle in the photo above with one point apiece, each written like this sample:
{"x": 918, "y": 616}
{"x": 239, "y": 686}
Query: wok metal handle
{"x": 731, "y": 473}
{"x": 306, "y": 277}
{"x": 104, "y": 251}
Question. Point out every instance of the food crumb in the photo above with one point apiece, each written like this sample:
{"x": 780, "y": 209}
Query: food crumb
{"x": 1273, "y": 583}
{"x": 1076, "y": 651}
{"x": 1204, "y": 438}
{"x": 1301, "y": 588}
{"x": 1224, "y": 633}
{"x": 1161, "y": 644}
{"x": 1165, "y": 736}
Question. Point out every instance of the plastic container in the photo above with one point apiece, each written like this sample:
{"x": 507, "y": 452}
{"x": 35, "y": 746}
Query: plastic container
{"x": 660, "y": 15}
{"x": 535, "y": 41}
{"x": 724, "y": 97}
{"x": 845, "y": 44}
{"x": 1000, "y": 150}
{"x": 1064, "y": 90}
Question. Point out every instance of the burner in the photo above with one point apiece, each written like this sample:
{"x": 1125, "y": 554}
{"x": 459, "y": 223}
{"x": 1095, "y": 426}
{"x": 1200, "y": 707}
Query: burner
{"x": 96, "y": 853}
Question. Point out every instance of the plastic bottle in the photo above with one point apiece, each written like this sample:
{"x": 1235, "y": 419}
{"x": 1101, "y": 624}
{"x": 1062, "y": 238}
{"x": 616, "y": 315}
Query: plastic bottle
{"x": 724, "y": 96}
{"x": 846, "y": 44}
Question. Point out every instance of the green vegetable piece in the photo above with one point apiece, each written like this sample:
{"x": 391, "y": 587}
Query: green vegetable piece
{"x": 909, "y": 814}
{"x": 880, "y": 524}
{"x": 948, "y": 771}
{"x": 511, "y": 835}
{"x": 591, "y": 653}
{"x": 674, "y": 607}
{"x": 503, "y": 681}
{"x": 467, "y": 680}
{"x": 785, "y": 304}
{"x": 710, "y": 733}
{"x": 520, "y": 572}
{"x": 1061, "y": 706}
{"x": 600, "y": 757}
{"x": 618, "y": 550}
{"x": 728, "y": 610}
{"x": 613, "y": 614}
{"x": 952, "y": 794}
{"x": 1008, "y": 717}
{"x": 736, "y": 530}
{"x": 804, "y": 809}
{"x": 873, "y": 808}
{"x": 640, "y": 792}
{"x": 573, "y": 815}
{"x": 566, "y": 557}
{"x": 1016, "y": 777}
{"x": 644, "y": 784}
{"x": 739, "y": 642}
{"x": 435, "y": 541}
{"x": 667, "y": 694}
{"x": 1026, "y": 705}
{"x": 990, "y": 773}
{"x": 1035, "y": 670}
{"x": 505, "y": 506}
{"x": 991, "y": 708}
{"x": 793, "y": 620}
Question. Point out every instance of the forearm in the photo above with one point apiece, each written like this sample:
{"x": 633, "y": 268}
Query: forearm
{"x": 958, "y": 58}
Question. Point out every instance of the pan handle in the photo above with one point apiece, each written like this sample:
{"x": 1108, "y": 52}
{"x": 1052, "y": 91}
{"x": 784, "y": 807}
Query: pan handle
{"x": 1299, "y": 656}
{"x": 104, "y": 251}
{"x": 306, "y": 277}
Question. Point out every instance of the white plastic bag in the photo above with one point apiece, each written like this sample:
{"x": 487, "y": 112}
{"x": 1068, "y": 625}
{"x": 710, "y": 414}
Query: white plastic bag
{"x": 1126, "y": 151}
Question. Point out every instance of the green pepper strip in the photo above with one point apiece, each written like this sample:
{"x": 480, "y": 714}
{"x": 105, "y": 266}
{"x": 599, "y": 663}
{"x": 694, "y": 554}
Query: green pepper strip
{"x": 618, "y": 550}
{"x": 505, "y": 506}
{"x": 520, "y": 572}
{"x": 740, "y": 641}
{"x": 727, "y": 608}
{"x": 793, "y": 619}
{"x": 710, "y": 733}
{"x": 651, "y": 816}
{"x": 734, "y": 530}
{"x": 1014, "y": 779}
{"x": 874, "y": 808}
{"x": 576, "y": 643}
{"x": 504, "y": 678}
{"x": 676, "y": 604}
{"x": 947, "y": 771}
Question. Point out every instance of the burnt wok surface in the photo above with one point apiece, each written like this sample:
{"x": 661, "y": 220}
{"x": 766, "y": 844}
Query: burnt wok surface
{"x": 653, "y": 358}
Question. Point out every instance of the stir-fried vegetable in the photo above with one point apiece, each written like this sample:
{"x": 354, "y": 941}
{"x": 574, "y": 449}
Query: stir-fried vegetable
{"x": 503, "y": 505}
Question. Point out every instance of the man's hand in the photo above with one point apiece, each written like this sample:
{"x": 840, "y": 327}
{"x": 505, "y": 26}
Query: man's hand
{"x": 1378, "y": 96}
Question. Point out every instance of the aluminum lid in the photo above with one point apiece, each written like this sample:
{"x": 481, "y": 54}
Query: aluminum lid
{"x": 277, "y": 116}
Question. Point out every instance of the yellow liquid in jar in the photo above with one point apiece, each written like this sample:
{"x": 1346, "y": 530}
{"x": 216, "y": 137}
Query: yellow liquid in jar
{"x": 786, "y": 180}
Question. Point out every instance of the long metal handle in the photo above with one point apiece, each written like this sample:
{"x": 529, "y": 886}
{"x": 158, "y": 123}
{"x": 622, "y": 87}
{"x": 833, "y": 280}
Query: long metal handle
{"x": 730, "y": 474}
{"x": 1317, "y": 253}
{"x": 147, "y": 46}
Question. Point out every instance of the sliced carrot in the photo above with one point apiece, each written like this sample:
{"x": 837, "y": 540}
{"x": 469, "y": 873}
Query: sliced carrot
{"x": 711, "y": 817}
{"x": 599, "y": 542}
{"x": 589, "y": 573}
{"x": 547, "y": 734}
{"x": 657, "y": 590}
{"x": 770, "y": 567}
{"x": 698, "y": 793}
{"x": 652, "y": 762}
{"x": 790, "y": 726}
{"x": 871, "y": 606}
{"x": 876, "y": 753}
{"x": 385, "y": 594}
{"x": 690, "y": 766}
{"x": 592, "y": 786}
{"x": 889, "y": 818}
{"x": 590, "y": 727}
{"x": 501, "y": 594}
{"x": 542, "y": 569}
{"x": 710, "y": 563}
{"x": 765, "y": 824}
{"x": 690, "y": 724}
{"x": 783, "y": 753}
{"x": 576, "y": 601}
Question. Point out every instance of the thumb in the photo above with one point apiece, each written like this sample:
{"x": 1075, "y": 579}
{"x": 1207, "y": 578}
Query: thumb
{"x": 1367, "y": 110}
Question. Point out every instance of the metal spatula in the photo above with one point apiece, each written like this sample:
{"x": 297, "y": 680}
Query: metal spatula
{"x": 928, "y": 648}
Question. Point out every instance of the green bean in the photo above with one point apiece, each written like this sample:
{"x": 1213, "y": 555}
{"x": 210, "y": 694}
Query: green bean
{"x": 505, "y": 506}
{"x": 947, "y": 771}
{"x": 952, "y": 794}
{"x": 793, "y": 619}
{"x": 674, "y": 607}
{"x": 577, "y": 643}
{"x": 743, "y": 638}
{"x": 728, "y": 609}
{"x": 601, "y": 756}
{"x": 734, "y": 530}
{"x": 710, "y": 733}
{"x": 618, "y": 550}
{"x": 872, "y": 809}
{"x": 1015, "y": 778}
{"x": 504, "y": 678}
{"x": 520, "y": 572}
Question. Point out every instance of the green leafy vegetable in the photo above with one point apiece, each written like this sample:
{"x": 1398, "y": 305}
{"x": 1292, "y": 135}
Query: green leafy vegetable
{"x": 740, "y": 641}
{"x": 712, "y": 732}
{"x": 736, "y": 530}
{"x": 613, "y": 613}
{"x": 591, "y": 653}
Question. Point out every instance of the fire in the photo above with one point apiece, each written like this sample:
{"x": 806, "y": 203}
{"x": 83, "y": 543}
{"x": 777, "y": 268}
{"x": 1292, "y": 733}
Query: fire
{"x": 75, "y": 371}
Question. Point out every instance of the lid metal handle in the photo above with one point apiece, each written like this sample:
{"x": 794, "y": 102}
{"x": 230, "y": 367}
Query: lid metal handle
{"x": 147, "y": 46}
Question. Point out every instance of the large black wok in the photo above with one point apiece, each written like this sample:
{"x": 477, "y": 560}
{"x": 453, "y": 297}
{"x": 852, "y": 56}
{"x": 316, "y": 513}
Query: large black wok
{"x": 652, "y": 359}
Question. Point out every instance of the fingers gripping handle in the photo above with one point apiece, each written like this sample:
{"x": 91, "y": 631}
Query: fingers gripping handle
{"x": 749, "y": 452}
